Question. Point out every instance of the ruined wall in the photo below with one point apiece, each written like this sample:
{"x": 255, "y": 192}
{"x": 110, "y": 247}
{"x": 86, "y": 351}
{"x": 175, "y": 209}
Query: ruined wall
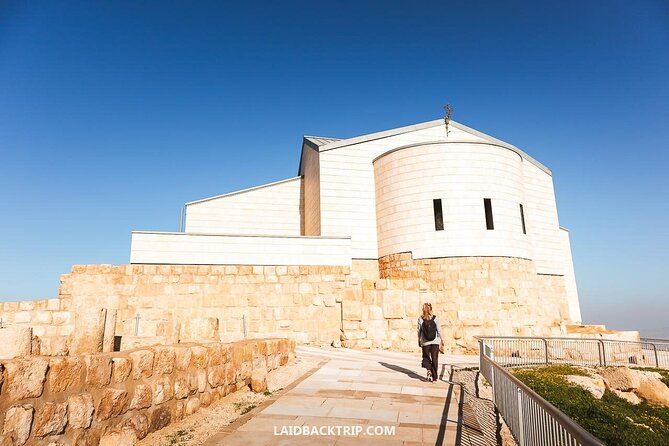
{"x": 50, "y": 320}
{"x": 472, "y": 296}
{"x": 189, "y": 302}
{"x": 120, "y": 397}
{"x": 167, "y": 304}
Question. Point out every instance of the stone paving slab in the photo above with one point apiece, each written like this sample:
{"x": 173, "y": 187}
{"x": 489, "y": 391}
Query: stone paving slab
{"x": 360, "y": 394}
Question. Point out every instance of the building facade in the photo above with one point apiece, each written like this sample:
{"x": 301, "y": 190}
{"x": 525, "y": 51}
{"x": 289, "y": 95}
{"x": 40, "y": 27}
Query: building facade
{"x": 420, "y": 191}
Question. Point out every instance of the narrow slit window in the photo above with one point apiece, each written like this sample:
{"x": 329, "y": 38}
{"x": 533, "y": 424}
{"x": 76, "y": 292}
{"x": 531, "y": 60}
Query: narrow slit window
{"x": 488, "y": 214}
{"x": 438, "y": 215}
{"x": 522, "y": 219}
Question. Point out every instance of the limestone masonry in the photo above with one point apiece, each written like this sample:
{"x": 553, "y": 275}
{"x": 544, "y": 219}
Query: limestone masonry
{"x": 114, "y": 399}
{"x": 345, "y": 252}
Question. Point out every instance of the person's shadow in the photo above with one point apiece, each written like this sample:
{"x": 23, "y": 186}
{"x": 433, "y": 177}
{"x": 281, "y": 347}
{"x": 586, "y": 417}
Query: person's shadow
{"x": 407, "y": 372}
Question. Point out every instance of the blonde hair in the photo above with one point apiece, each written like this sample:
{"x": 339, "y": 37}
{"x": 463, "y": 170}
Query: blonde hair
{"x": 427, "y": 311}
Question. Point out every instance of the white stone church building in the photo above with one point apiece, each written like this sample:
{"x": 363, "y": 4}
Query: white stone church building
{"x": 387, "y": 204}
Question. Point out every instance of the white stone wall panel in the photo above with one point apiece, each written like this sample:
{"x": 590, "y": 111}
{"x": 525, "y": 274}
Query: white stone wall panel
{"x": 271, "y": 209}
{"x": 219, "y": 249}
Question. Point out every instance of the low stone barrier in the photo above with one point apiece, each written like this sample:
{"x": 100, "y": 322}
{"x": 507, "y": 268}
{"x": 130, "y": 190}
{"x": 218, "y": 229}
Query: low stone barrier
{"x": 50, "y": 319}
{"x": 117, "y": 398}
{"x": 105, "y": 307}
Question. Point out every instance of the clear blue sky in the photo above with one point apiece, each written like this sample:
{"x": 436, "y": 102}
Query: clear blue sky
{"x": 113, "y": 114}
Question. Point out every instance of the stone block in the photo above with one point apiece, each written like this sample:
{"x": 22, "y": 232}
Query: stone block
{"x": 215, "y": 354}
{"x": 27, "y": 305}
{"x": 98, "y": 370}
{"x": 230, "y": 374}
{"x": 80, "y": 411}
{"x": 18, "y": 420}
{"x": 42, "y": 317}
{"x": 350, "y": 325}
{"x": 181, "y": 386}
{"x": 182, "y": 357}
{"x": 64, "y": 373}
{"x": 142, "y": 363}
{"x": 199, "y": 357}
{"x": 201, "y": 380}
{"x": 199, "y": 329}
{"x": 162, "y": 390}
{"x": 206, "y": 399}
{"x": 330, "y": 300}
{"x": 375, "y": 312}
{"x": 89, "y": 330}
{"x": 15, "y": 341}
{"x": 51, "y": 419}
{"x": 216, "y": 375}
{"x": 139, "y": 423}
{"x": 163, "y": 362}
{"x": 121, "y": 368}
{"x": 192, "y": 405}
{"x": 61, "y": 317}
{"x": 113, "y": 402}
{"x": 363, "y": 343}
{"x": 159, "y": 417}
{"x": 141, "y": 397}
{"x": 125, "y": 437}
{"x": 25, "y": 378}
{"x": 393, "y": 307}
{"x": 356, "y": 334}
{"x": 352, "y": 310}
{"x": 109, "y": 330}
{"x": 377, "y": 329}
{"x": 259, "y": 380}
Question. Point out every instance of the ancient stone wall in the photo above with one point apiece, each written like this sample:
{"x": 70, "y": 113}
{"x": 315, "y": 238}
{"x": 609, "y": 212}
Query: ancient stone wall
{"x": 189, "y": 302}
{"x": 50, "y": 320}
{"x": 120, "y": 397}
{"x": 472, "y": 296}
{"x": 168, "y": 304}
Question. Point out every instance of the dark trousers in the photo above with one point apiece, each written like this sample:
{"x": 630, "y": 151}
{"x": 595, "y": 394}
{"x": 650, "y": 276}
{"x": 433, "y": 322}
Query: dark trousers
{"x": 431, "y": 357}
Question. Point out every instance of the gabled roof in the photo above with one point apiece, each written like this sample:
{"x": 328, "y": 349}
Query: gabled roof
{"x": 320, "y": 140}
{"x": 314, "y": 142}
{"x": 337, "y": 143}
{"x": 241, "y": 191}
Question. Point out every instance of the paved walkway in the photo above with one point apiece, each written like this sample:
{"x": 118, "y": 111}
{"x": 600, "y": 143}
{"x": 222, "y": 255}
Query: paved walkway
{"x": 354, "y": 396}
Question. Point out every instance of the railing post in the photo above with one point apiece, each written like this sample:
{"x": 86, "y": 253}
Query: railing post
{"x": 492, "y": 383}
{"x": 546, "y": 349}
{"x": 657, "y": 361}
{"x": 603, "y": 357}
{"x": 521, "y": 427}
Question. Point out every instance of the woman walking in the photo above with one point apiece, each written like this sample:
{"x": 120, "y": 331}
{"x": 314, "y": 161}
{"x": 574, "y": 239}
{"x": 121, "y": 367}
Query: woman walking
{"x": 430, "y": 339}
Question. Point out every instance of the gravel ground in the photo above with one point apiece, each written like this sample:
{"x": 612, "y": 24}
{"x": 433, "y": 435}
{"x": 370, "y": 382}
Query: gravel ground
{"x": 208, "y": 421}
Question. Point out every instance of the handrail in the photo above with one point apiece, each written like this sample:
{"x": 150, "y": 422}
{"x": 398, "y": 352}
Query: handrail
{"x": 530, "y": 350}
{"x": 578, "y": 433}
{"x": 568, "y": 338}
{"x": 531, "y": 419}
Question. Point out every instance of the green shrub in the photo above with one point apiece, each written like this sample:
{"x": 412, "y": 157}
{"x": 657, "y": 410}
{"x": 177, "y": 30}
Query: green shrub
{"x": 611, "y": 419}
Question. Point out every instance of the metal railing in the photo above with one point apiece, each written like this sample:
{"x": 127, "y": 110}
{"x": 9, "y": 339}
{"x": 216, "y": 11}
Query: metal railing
{"x": 526, "y": 351}
{"x": 532, "y": 420}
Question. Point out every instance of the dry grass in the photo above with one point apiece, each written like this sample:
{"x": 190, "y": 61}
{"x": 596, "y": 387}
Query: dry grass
{"x": 208, "y": 421}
